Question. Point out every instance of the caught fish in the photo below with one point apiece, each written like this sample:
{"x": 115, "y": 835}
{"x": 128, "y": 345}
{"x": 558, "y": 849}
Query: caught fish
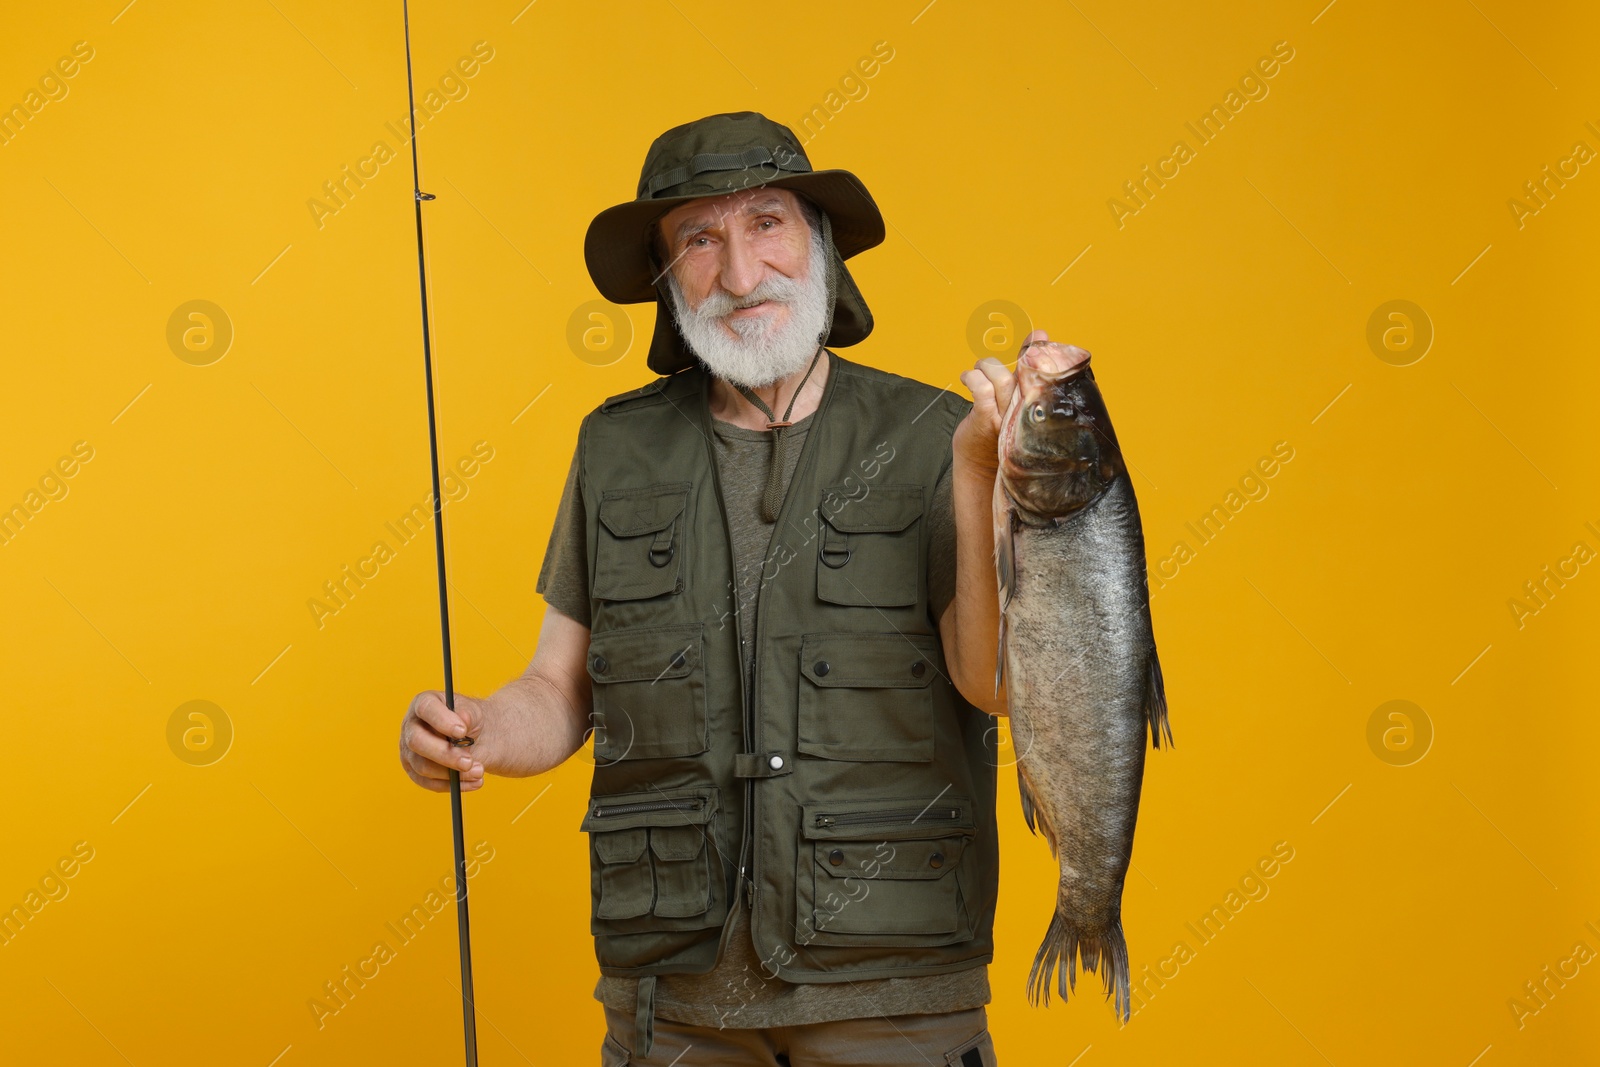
{"x": 1078, "y": 657}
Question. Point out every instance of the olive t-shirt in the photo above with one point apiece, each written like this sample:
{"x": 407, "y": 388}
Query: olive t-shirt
{"x": 739, "y": 992}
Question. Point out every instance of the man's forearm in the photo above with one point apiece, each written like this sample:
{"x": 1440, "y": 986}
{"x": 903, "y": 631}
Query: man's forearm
{"x": 972, "y": 621}
{"x": 535, "y": 726}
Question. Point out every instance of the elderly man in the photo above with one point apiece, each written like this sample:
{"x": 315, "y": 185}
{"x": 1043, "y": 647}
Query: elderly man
{"x": 773, "y": 602}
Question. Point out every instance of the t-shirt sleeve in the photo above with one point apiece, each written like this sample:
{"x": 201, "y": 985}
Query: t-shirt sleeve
{"x": 941, "y": 547}
{"x": 564, "y": 575}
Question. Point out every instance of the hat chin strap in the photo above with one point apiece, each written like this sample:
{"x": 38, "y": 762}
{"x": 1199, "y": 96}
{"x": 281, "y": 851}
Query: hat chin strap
{"x": 772, "y": 494}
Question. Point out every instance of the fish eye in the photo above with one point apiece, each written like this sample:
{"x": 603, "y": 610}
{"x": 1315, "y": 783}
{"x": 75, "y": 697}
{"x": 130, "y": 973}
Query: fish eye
{"x": 1036, "y": 413}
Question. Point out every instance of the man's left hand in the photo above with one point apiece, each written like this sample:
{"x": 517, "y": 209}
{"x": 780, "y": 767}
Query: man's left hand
{"x": 977, "y": 439}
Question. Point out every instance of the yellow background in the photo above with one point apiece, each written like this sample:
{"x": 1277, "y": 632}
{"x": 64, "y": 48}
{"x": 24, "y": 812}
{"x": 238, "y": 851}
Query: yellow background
{"x": 1225, "y": 316}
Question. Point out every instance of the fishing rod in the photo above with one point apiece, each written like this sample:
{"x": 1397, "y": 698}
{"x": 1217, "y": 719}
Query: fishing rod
{"x": 468, "y": 1015}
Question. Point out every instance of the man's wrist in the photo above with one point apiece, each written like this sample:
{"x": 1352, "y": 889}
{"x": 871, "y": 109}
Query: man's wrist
{"x": 968, "y": 468}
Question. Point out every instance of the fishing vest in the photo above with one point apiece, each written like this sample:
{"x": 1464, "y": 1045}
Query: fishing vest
{"x": 847, "y": 789}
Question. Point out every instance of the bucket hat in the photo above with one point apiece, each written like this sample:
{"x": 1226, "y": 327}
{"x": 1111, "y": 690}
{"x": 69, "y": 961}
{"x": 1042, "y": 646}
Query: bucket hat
{"x": 714, "y": 156}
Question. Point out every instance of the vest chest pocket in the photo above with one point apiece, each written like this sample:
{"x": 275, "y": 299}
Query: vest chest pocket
{"x": 865, "y": 696}
{"x": 884, "y": 872}
{"x": 652, "y": 867}
{"x": 868, "y": 546}
{"x": 649, "y": 692}
{"x": 640, "y": 550}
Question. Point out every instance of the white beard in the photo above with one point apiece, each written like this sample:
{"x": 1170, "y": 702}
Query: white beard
{"x": 761, "y": 353}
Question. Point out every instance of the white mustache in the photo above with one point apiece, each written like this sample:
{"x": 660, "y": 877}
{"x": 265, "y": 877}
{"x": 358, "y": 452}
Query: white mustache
{"x": 720, "y": 303}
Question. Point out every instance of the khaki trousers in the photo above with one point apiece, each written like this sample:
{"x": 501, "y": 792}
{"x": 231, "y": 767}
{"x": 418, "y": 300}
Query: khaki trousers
{"x": 950, "y": 1039}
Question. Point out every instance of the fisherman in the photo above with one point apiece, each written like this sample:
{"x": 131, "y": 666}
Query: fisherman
{"x": 772, "y": 601}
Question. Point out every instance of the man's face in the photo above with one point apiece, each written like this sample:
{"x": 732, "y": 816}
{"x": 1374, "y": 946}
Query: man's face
{"x": 734, "y": 243}
{"x": 749, "y": 283}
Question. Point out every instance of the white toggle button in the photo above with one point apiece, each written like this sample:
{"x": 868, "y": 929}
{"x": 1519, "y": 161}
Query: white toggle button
{"x": 776, "y": 763}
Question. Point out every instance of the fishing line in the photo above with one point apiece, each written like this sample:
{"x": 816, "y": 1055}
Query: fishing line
{"x": 468, "y": 1017}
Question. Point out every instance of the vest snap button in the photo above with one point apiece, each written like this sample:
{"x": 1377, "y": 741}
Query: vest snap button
{"x": 821, "y": 667}
{"x": 678, "y": 661}
{"x": 776, "y": 763}
{"x": 936, "y": 860}
{"x": 836, "y": 857}
{"x": 918, "y": 669}
{"x": 600, "y": 665}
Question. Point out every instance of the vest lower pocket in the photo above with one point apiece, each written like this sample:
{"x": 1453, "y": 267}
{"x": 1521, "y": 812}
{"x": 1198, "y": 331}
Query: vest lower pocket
{"x": 884, "y": 873}
{"x": 625, "y": 883}
{"x": 640, "y": 548}
{"x": 866, "y": 696}
{"x": 868, "y": 552}
{"x": 649, "y": 692}
{"x": 651, "y": 863}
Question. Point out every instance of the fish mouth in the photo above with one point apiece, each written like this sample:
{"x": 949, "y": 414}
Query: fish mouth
{"x": 1037, "y": 371}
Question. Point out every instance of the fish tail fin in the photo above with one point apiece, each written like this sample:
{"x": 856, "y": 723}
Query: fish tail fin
{"x": 1155, "y": 704}
{"x": 1103, "y": 950}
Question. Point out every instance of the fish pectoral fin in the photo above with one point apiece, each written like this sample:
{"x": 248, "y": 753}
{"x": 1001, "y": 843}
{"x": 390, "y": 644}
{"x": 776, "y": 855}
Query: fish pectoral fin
{"x": 1005, "y": 571}
{"x": 1005, "y": 562}
{"x": 1155, "y": 704}
{"x": 1000, "y": 653}
{"x": 1037, "y": 820}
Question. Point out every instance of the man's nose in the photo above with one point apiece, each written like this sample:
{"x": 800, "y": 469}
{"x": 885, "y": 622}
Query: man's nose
{"x": 741, "y": 269}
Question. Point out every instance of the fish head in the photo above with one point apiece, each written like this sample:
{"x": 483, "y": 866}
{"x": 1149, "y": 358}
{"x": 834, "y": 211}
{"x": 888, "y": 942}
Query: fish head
{"x": 1058, "y": 452}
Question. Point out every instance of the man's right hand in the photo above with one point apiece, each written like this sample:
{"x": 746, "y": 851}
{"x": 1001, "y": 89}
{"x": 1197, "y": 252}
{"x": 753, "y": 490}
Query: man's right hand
{"x": 528, "y": 726}
{"x": 425, "y": 734}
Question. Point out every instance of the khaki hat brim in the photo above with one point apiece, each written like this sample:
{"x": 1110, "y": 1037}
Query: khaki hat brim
{"x": 616, "y": 248}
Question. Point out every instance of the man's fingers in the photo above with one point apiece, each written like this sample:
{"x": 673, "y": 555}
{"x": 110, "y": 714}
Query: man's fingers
{"x": 433, "y": 755}
{"x": 430, "y": 708}
{"x": 982, "y": 389}
{"x": 1002, "y": 381}
{"x": 419, "y": 769}
{"x": 431, "y": 785}
{"x": 426, "y": 753}
{"x": 442, "y": 785}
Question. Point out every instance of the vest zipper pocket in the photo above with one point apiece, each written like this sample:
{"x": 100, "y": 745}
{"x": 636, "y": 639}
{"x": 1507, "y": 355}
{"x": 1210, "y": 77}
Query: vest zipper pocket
{"x": 932, "y": 815}
{"x": 686, "y": 804}
{"x": 886, "y": 872}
